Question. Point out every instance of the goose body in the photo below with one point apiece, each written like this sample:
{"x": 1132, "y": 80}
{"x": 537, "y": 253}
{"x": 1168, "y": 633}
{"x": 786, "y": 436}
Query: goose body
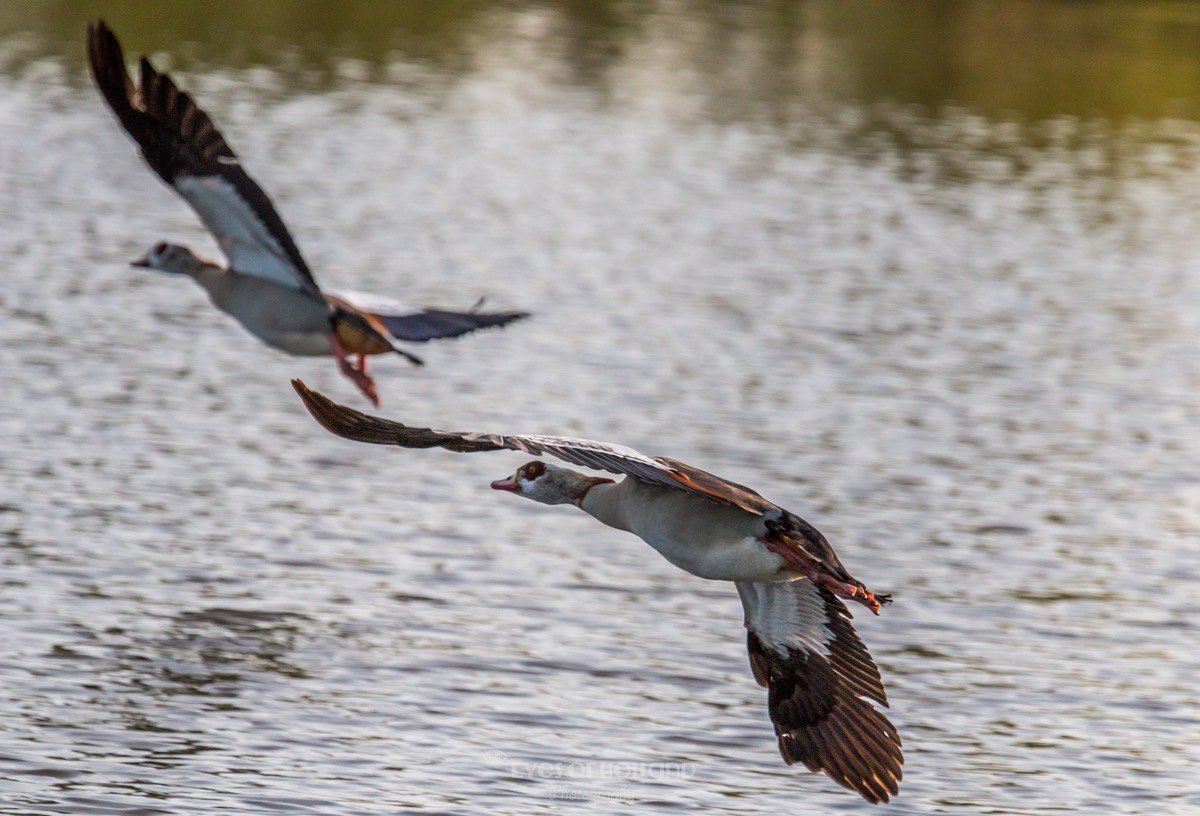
{"x": 823, "y": 687}
{"x": 290, "y": 320}
{"x": 286, "y": 320}
{"x": 266, "y": 286}
{"x": 706, "y": 539}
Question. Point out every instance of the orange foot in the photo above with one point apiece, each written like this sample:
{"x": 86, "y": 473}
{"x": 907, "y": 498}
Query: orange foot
{"x": 868, "y": 598}
{"x": 362, "y": 379}
{"x": 356, "y": 374}
{"x": 819, "y": 574}
{"x": 854, "y": 592}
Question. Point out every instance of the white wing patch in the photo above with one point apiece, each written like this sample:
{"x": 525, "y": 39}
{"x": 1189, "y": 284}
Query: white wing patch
{"x": 377, "y": 304}
{"x": 247, "y": 243}
{"x": 787, "y": 615}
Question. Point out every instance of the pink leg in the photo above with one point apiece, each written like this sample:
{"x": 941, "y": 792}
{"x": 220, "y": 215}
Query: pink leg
{"x": 358, "y": 376}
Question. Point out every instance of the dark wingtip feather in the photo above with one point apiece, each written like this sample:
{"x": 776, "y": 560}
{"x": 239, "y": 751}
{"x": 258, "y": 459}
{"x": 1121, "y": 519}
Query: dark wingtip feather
{"x": 408, "y": 355}
{"x": 106, "y": 60}
{"x": 338, "y": 419}
{"x": 489, "y": 319}
{"x": 823, "y": 722}
{"x": 439, "y": 324}
{"x": 314, "y": 402}
{"x": 854, "y": 745}
{"x": 351, "y": 424}
{"x": 98, "y": 34}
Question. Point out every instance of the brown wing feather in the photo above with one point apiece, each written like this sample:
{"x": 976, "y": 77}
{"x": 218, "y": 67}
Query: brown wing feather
{"x": 718, "y": 489}
{"x": 352, "y": 424}
{"x": 821, "y": 681}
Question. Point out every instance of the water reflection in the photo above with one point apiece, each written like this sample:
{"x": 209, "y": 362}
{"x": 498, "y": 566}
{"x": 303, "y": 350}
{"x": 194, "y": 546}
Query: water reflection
{"x": 209, "y": 653}
{"x": 209, "y": 650}
{"x": 1027, "y": 59}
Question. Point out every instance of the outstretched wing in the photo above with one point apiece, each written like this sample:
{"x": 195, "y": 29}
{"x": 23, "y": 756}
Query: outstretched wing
{"x": 415, "y": 324}
{"x": 821, "y": 682}
{"x": 352, "y": 424}
{"x": 180, "y": 143}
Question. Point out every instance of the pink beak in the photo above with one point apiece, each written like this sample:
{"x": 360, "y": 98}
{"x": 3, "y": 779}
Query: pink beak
{"x": 509, "y": 484}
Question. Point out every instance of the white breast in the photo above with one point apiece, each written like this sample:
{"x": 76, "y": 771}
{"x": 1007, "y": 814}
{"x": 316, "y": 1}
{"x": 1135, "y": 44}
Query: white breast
{"x": 289, "y": 320}
{"x": 704, "y": 538}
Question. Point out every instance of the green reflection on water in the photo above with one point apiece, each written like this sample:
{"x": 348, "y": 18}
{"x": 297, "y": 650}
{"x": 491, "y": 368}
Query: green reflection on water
{"x": 1028, "y": 60}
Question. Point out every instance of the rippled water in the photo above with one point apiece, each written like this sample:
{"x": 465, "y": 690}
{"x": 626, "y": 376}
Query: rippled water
{"x": 964, "y": 347}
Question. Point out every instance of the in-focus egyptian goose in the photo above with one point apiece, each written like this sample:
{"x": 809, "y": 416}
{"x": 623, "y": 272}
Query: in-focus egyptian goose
{"x": 822, "y": 684}
{"x": 267, "y": 286}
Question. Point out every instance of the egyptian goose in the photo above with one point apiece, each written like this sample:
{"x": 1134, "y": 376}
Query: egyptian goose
{"x": 267, "y": 286}
{"x": 821, "y": 681}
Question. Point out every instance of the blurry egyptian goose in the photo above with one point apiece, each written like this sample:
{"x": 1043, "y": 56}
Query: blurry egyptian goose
{"x": 267, "y": 286}
{"x": 821, "y": 681}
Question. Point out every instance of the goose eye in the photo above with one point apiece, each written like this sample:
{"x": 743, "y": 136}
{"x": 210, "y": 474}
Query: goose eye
{"x": 160, "y": 247}
{"x": 533, "y": 471}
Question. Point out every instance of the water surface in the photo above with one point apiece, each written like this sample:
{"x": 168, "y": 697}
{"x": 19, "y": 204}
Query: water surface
{"x": 944, "y": 309}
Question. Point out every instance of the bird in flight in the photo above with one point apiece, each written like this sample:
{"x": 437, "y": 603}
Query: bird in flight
{"x": 266, "y": 285}
{"x": 823, "y": 688}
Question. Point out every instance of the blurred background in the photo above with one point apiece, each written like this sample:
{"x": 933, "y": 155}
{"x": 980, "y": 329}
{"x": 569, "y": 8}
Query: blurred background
{"x": 925, "y": 273}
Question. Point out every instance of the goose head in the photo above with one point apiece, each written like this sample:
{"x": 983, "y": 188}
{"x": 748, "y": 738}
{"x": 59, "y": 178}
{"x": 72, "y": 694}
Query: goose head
{"x": 172, "y": 258}
{"x": 548, "y": 484}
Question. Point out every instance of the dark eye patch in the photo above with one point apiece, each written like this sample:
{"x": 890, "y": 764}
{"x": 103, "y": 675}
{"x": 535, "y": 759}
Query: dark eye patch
{"x": 533, "y": 470}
